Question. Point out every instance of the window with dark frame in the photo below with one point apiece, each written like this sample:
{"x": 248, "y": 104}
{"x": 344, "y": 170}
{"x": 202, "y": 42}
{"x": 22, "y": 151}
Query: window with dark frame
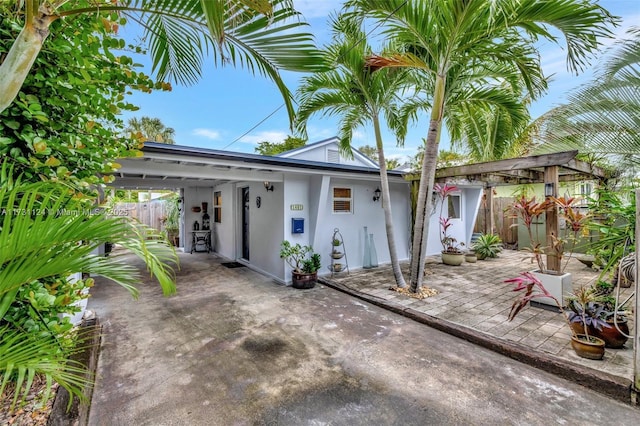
{"x": 217, "y": 207}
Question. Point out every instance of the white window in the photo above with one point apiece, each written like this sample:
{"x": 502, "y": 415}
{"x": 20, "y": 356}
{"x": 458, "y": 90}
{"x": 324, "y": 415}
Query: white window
{"x": 453, "y": 206}
{"x": 342, "y": 200}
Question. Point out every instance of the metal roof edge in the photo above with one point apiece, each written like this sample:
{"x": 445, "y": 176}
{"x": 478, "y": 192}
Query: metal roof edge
{"x": 183, "y": 150}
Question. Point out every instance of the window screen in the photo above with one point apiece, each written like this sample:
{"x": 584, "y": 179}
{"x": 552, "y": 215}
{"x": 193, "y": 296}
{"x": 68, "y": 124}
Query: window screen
{"x": 342, "y": 200}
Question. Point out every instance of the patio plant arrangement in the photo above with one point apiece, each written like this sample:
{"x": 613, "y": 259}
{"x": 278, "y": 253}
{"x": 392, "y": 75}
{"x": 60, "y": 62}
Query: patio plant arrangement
{"x": 487, "y": 246}
{"x": 579, "y": 320}
{"x": 556, "y": 281}
{"x": 452, "y": 253}
{"x": 304, "y": 262}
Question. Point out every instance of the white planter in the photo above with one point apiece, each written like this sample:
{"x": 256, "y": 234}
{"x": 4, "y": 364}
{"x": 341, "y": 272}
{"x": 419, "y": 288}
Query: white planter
{"x": 559, "y": 286}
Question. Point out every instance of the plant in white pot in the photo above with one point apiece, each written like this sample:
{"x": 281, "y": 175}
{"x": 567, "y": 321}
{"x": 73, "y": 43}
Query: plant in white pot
{"x": 304, "y": 262}
{"x": 556, "y": 281}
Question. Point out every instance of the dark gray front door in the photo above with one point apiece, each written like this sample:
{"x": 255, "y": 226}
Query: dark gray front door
{"x": 245, "y": 223}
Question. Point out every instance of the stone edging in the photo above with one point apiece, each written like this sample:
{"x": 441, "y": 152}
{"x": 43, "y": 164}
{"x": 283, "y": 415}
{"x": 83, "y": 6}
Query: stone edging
{"x": 612, "y": 386}
{"x": 78, "y": 414}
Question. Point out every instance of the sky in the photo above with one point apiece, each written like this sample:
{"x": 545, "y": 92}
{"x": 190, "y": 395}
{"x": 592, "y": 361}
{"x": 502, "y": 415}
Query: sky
{"x": 228, "y": 102}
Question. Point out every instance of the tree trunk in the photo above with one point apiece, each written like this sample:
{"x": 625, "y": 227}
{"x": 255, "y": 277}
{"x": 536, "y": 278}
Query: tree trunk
{"x": 386, "y": 206}
{"x": 427, "y": 180}
{"x": 20, "y": 59}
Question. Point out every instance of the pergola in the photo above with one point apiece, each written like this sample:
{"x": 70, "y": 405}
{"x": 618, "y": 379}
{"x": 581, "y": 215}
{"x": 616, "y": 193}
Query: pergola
{"x": 550, "y": 169}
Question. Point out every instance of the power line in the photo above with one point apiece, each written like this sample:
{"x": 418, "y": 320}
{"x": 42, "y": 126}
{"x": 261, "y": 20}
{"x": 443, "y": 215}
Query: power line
{"x": 348, "y": 50}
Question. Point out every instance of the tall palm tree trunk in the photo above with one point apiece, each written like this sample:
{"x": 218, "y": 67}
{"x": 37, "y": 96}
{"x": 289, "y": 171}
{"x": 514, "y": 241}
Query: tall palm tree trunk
{"x": 427, "y": 180}
{"x": 386, "y": 206}
{"x": 20, "y": 58}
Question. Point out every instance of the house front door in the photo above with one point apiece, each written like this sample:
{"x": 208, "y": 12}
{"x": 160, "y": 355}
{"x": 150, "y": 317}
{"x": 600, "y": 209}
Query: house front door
{"x": 245, "y": 223}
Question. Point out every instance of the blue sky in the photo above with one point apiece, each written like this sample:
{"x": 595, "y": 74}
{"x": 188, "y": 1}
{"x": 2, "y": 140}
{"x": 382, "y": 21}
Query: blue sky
{"x": 228, "y": 102}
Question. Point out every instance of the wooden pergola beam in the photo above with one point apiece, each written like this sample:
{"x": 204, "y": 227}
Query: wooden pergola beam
{"x": 532, "y": 162}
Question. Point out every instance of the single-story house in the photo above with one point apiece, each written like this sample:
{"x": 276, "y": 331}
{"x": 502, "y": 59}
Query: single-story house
{"x": 254, "y": 202}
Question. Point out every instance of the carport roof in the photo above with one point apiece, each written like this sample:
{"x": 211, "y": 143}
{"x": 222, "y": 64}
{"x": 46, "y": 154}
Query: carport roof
{"x": 177, "y": 166}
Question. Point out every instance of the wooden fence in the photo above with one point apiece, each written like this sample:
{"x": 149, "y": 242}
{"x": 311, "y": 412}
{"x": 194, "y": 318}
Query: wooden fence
{"x": 151, "y": 213}
{"x": 503, "y": 219}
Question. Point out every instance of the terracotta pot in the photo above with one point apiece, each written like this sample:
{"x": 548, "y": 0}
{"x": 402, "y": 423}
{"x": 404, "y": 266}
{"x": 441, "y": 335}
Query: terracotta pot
{"x": 453, "y": 259}
{"x": 304, "y": 281}
{"x": 589, "y": 349}
{"x": 612, "y": 337}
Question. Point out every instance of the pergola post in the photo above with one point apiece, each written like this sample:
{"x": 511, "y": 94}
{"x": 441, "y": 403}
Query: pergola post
{"x": 551, "y": 189}
{"x": 489, "y": 200}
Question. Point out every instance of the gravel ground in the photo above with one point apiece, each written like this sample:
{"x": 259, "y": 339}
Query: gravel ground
{"x": 34, "y": 411}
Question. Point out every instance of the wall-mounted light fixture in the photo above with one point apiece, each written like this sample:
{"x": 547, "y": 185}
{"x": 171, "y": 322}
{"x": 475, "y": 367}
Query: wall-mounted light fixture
{"x": 549, "y": 189}
{"x": 180, "y": 202}
{"x": 376, "y": 194}
{"x": 268, "y": 186}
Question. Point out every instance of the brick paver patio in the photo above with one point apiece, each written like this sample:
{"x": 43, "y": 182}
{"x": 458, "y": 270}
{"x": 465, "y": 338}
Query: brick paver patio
{"x": 474, "y": 295}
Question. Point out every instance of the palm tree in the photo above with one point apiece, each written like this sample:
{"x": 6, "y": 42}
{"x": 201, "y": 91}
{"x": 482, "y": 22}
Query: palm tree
{"x": 446, "y": 40}
{"x": 352, "y": 91}
{"x": 262, "y": 36}
{"x": 151, "y": 129}
{"x": 47, "y": 232}
{"x": 603, "y": 117}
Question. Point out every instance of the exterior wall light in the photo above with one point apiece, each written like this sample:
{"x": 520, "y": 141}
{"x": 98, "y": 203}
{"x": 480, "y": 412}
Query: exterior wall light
{"x": 549, "y": 189}
{"x": 268, "y": 186}
{"x": 376, "y": 194}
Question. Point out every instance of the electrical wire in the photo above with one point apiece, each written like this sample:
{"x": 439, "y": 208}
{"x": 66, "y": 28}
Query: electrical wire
{"x": 347, "y": 51}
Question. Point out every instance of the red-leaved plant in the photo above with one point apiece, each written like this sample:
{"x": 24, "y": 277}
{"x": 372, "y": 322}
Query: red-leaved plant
{"x": 581, "y": 303}
{"x": 529, "y": 211}
{"x": 449, "y": 243}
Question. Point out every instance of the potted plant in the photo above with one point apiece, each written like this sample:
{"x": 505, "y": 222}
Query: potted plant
{"x": 556, "y": 281}
{"x": 470, "y": 256}
{"x": 172, "y": 220}
{"x": 583, "y": 342}
{"x": 452, "y": 253}
{"x": 335, "y": 253}
{"x": 304, "y": 262}
{"x": 487, "y": 246}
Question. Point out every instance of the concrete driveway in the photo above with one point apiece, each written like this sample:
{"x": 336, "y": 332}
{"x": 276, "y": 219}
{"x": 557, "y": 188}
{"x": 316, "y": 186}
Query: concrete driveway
{"x": 235, "y": 348}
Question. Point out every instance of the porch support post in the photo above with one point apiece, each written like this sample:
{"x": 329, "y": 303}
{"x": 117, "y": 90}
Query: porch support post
{"x": 551, "y": 216}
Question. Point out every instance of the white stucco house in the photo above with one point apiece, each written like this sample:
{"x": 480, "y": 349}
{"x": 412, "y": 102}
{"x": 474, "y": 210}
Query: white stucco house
{"x": 253, "y": 200}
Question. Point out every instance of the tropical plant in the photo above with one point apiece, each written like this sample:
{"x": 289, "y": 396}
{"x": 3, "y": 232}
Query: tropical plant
{"x": 601, "y": 118}
{"x": 613, "y": 219}
{"x": 354, "y": 92}
{"x": 560, "y": 247}
{"x": 487, "y": 246}
{"x": 65, "y": 124}
{"x": 449, "y": 243}
{"x": 48, "y": 231}
{"x": 150, "y": 129}
{"x": 301, "y": 258}
{"x": 262, "y": 36}
{"x": 582, "y": 302}
{"x": 445, "y": 41}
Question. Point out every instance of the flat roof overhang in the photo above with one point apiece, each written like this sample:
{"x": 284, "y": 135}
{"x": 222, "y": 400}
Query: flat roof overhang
{"x": 166, "y": 166}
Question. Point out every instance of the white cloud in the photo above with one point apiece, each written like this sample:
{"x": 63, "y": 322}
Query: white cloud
{"x": 207, "y": 133}
{"x": 273, "y": 136}
{"x": 316, "y": 8}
